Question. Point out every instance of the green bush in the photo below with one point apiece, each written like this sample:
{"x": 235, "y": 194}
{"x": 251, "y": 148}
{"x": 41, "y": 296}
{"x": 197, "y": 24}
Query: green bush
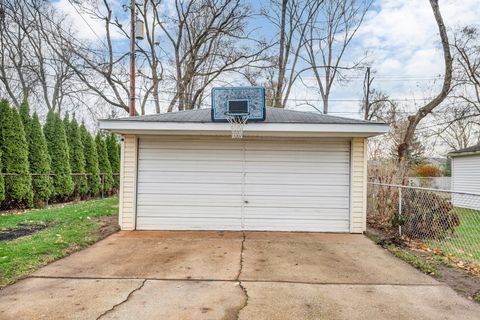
{"x": 104, "y": 163}
{"x": 18, "y": 187}
{"x": 59, "y": 154}
{"x": 91, "y": 161}
{"x": 2, "y": 182}
{"x": 113, "y": 150}
{"x": 77, "y": 156}
{"x": 39, "y": 162}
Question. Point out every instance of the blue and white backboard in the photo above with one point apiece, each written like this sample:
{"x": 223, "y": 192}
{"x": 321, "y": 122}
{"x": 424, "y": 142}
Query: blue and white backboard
{"x": 230, "y": 101}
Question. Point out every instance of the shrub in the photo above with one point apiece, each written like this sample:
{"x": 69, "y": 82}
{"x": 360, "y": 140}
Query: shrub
{"x": 104, "y": 163}
{"x": 2, "y": 183}
{"x": 59, "y": 154}
{"x": 428, "y": 170}
{"x": 427, "y": 215}
{"x": 114, "y": 157}
{"x": 18, "y": 187}
{"x": 91, "y": 161}
{"x": 77, "y": 156}
{"x": 39, "y": 162}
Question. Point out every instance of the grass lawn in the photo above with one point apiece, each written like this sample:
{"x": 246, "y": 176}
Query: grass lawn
{"x": 465, "y": 242}
{"x": 69, "y": 228}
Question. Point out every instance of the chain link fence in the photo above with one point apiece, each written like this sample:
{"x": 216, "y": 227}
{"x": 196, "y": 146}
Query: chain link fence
{"x": 101, "y": 175}
{"x": 441, "y": 221}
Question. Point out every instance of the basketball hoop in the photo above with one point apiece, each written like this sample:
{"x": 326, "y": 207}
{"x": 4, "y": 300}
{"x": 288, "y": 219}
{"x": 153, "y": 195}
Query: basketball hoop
{"x": 237, "y": 123}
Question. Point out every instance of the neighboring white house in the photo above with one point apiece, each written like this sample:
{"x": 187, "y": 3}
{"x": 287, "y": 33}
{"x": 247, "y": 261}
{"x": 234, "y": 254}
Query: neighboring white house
{"x": 295, "y": 171}
{"x": 466, "y": 177}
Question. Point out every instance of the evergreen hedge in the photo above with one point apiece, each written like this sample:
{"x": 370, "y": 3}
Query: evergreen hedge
{"x": 113, "y": 150}
{"x": 91, "y": 161}
{"x": 104, "y": 163}
{"x": 59, "y": 154}
{"x": 18, "y": 187}
{"x": 39, "y": 162}
{"x": 77, "y": 156}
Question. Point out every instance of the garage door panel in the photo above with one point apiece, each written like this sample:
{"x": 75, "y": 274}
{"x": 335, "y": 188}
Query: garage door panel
{"x": 190, "y": 165}
{"x": 190, "y": 188}
{"x": 298, "y": 202}
{"x": 297, "y": 178}
{"x": 188, "y": 177}
{"x": 300, "y": 145}
{"x": 191, "y": 200}
{"x": 167, "y": 223}
{"x": 294, "y": 213}
{"x": 185, "y": 211}
{"x": 289, "y": 167}
{"x": 190, "y": 155}
{"x": 297, "y": 225}
{"x": 298, "y": 156}
{"x": 293, "y": 190}
{"x": 148, "y": 143}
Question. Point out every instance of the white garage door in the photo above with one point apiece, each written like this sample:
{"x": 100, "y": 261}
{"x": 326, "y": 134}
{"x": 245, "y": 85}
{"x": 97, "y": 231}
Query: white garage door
{"x": 225, "y": 184}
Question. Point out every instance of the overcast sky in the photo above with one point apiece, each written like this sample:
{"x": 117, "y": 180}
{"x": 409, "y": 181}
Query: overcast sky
{"x": 401, "y": 39}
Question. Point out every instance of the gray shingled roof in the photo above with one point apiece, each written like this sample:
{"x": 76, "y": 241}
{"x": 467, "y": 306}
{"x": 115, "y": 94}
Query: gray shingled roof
{"x": 475, "y": 148}
{"x": 273, "y": 115}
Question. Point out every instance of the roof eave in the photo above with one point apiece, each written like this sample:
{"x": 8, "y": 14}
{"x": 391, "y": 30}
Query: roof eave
{"x": 251, "y": 129}
{"x": 463, "y": 154}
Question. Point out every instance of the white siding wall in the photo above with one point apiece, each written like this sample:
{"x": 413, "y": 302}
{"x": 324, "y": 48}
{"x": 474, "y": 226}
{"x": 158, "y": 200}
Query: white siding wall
{"x": 128, "y": 182}
{"x": 466, "y": 178}
{"x": 359, "y": 185}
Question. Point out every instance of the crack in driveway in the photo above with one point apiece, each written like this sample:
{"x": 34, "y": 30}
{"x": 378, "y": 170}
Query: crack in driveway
{"x": 125, "y": 300}
{"x": 245, "y": 292}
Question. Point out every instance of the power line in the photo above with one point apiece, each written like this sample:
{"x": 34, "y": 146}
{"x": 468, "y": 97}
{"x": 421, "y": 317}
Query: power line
{"x": 88, "y": 24}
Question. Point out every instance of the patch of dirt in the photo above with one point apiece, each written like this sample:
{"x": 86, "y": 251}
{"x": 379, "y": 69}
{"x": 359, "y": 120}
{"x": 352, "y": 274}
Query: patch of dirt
{"x": 108, "y": 226}
{"x": 21, "y": 230}
{"x": 463, "y": 282}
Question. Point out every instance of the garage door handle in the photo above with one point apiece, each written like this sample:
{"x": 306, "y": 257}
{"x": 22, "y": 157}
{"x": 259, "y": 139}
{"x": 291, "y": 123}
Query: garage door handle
{"x": 246, "y": 201}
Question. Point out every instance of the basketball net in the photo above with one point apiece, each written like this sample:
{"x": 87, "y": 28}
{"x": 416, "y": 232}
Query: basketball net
{"x": 237, "y": 123}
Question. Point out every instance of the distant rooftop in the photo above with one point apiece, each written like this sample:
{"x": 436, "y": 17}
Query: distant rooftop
{"x": 273, "y": 115}
{"x": 475, "y": 148}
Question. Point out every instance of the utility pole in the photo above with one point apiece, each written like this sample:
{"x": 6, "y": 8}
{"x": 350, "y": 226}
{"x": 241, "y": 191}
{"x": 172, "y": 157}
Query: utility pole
{"x": 131, "y": 105}
{"x": 366, "y": 89}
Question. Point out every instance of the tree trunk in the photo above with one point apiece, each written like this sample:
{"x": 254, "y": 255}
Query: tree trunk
{"x": 414, "y": 120}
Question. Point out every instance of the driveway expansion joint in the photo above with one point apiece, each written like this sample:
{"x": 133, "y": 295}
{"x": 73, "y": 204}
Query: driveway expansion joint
{"x": 244, "y": 290}
{"x": 125, "y": 300}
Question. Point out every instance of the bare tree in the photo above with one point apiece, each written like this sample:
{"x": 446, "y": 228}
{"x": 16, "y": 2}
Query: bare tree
{"x": 459, "y": 126}
{"x": 291, "y": 19}
{"x": 329, "y": 35}
{"x": 29, "y": 69}
{"x": 414, "y": 120}
{"x": 467, "y": 66}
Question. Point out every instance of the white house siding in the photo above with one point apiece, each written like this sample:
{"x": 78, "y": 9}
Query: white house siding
{"x": 359, "y": 185}
{"x": 466, "y": 178}
{"x": 128, "y": 180}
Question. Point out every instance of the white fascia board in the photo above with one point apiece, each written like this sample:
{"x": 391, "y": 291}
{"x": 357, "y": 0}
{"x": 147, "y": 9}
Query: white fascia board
{"x": 251, "y": 129}
{"x": 464, "y": 154}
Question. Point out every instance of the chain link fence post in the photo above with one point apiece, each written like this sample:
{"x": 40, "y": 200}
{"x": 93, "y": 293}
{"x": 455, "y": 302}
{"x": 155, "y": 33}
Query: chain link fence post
{"x": 400, "y": 211}
{"x": 103, "y": 183}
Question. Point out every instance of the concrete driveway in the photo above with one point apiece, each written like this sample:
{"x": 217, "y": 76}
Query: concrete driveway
{"x": 228, "y": 275}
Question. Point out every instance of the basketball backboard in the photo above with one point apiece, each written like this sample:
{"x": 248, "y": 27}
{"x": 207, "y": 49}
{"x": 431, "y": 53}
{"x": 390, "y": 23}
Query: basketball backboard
{"x": 232, "y": 101}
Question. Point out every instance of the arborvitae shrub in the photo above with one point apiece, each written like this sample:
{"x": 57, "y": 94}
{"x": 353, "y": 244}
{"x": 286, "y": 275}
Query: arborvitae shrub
{"x": 91, "y": 161}
{"x": 18, "y": 187}
{"x": 77, "y": 156}
{"x": 104, "y": 163}
{"x": 114, "y": 158}
{"x": 59, "y": 154}
{"x": 39, "y": 163}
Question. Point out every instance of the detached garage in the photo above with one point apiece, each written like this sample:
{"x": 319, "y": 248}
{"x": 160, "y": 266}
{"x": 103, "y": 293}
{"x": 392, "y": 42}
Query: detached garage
{"x": 292, "y": 171}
